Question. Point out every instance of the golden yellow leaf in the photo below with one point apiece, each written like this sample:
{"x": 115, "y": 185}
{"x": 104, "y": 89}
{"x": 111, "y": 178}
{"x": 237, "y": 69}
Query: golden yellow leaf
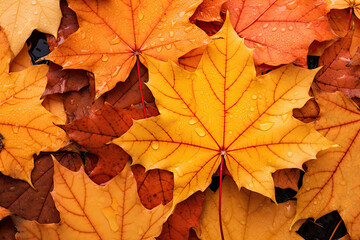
{"x": 4, "y": 213}
{"x": 21, "y": 61}
{"x": 27, "y": 127}
{"x": 5, "y": 53}
{"x": 54, "y": 104}
{"x": 245, "y": 216}
{"x": 20, "y": 17}
{"x": 332, "y": 182}
{"x": 113, "y": 33}
{"x": 89, "y": 211}
{"x": 224, "y": 109}
{"x": 342, "y": 4}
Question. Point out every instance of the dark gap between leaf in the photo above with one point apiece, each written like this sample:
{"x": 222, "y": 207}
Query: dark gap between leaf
{"x": 39, "y": 47}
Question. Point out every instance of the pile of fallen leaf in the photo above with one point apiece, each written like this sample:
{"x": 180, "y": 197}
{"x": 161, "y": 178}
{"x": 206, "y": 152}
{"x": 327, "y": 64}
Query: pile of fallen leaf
{"x": 143, "y": 105}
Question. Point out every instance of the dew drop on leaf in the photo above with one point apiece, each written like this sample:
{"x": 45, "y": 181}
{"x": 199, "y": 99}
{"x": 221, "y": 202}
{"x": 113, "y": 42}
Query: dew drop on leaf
{"x": 192, "y": 121}
{"x": 265, "y": 126}
{"x": 104, "y": 58}
{"x": 200, "y": 132}
{"x": 155, "y": 145}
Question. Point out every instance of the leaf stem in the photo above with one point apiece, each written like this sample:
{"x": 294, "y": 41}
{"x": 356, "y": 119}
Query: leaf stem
{"x": 140, "y": 87}
{"x": 221, "y": 174}
{"x": 351, "y": 13}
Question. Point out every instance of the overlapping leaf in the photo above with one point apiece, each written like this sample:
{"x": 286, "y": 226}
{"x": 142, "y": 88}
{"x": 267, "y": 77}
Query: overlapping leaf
{"x": 222, "y": 109}
{"x": 246, "y": 216}
{"x": 336, "y": 173}
{"x": 20, "y": 17}
{"x": 90, "y": 211}
{"x": 342, "y": 4}
{"x": 4, "y": 213}
{"x": 112, "y": 34}
{"x": 27, "y": 127}
{"x": 281, "y": 31}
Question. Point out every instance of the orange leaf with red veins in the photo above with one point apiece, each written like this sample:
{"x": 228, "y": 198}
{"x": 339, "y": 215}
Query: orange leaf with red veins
{"x": 223, "y": 109}
{"x": 154, "y": 187}
{"x": 19, "y": 18}
{"x": 245, "y": 216}
{"x": 89, "y": 211}
{"x": 280, "y": 31}
{"x": 191, "y": 60}
{"x": 332, "y": 181}
{"x": 27, "y": 127}
{"x": 186, "y": 215}
{"x": 113, "y": 33}
{"x": 336, "y": 75}
{"x": 5, "y": 53}
{"x": 208, "y": 11}
{"x": 31, "y": 204}
{"x": 287, "y": 178}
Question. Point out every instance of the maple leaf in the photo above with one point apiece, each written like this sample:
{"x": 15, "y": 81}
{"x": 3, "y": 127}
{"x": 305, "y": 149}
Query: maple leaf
{"x": 342, "y": 4}
{"x": 26, "y": 126}
{"x": 246, "y": 215}
{"x": 31, "y": 204}
{"x": 112, "y": 34}
{"x": 19, "y": 18}
{"x": 222, "y": 109}
{"x": 208, "y": 11}
{"x": 287, "y": 178}
{"x": 336, "y": 75}
{"x": 335, "y": 173}
{"x": 185, "y": 216}
{"x": 280, "y": 31}
{"x": 90, "y": 211}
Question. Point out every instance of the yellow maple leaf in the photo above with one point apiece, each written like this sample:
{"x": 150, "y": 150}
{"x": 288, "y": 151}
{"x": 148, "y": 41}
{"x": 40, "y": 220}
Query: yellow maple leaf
{"x": 113, "y": 33}
{"x": 246, "y": 215}
{"x": 224, "y": 109}
{"x": 20, "y": 18}
{"x": 27, "y": 127}
{"x": 332, "y": 181}
{"x": 342, "y": 4}
{"x": 89, "y": 211}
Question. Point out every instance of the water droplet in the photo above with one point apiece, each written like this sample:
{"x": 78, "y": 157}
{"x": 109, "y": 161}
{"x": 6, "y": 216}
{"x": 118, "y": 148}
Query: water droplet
{"x": 91, "y": 38}
{"x": 159, "y": 49}
{"x": 285, "y": 117}
{"x": 265, "y": 126}
{"x": 252, "y": 109}
{"x": 140, "y": 15}
{"x": 116, "y": 72}
{"x": 116, "y": 40}
{"x": 254, "y": 97}
{"x": 15, "y": 129}
{"x": 12, "y": 189}
{"x": 290, "y": 154}
{"x": 290, "y": 210}
{"x": 104, "y": 58}
{"x": 71, "y": 101}
{"x": 35, "y": 12}
{"x": 335, "y": 145}
{"x": 171, "y": 33}
{"x": 231, "y": 116}
{"x": 192, "y": 121}
{"x": 168, "y": 46}
{"x": 29, "y": 142}
{"x": 315, "y": 202}
{"x": 265, "y": 25}
{"x": 162, "y": 39}
{"x": 292, "y": 5}
{"x": 33, "y": 2}
{"x": 155, "y": 145}
{"x": 274, "y": 29}
{"x": 296, "y": 93}
{"x": 251, "y": 185}
{"x": 293, "y": 101}
{"x": 83, "y": 35}
{"x": 181, "y": 14}
{"x": 184, "y": 105}
{"x": 307, "y": 189}
{"x": 283, "y": 29}
{"x": 200, "y": 132}
{"x": 291, "y": 28}
{"x": 230, "y": 132}
{"x": 343, "y": 183}
{"x": 163, "y": 19}
{"x": 188, "y": 29}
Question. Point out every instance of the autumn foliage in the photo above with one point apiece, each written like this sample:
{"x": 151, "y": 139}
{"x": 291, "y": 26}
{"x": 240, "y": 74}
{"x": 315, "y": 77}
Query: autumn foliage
{"x": 179, "y": 120}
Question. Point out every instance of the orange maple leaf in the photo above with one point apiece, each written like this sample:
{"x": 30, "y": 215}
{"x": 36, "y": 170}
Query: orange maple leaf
{"x": 280, "y": 31}
{"x": 332, "y": 181}
{"x": 90, "y": 211}
{"x": 223, "y": 109}
{"x": 112, "y": 34}
{"x": 27, "y": 127}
